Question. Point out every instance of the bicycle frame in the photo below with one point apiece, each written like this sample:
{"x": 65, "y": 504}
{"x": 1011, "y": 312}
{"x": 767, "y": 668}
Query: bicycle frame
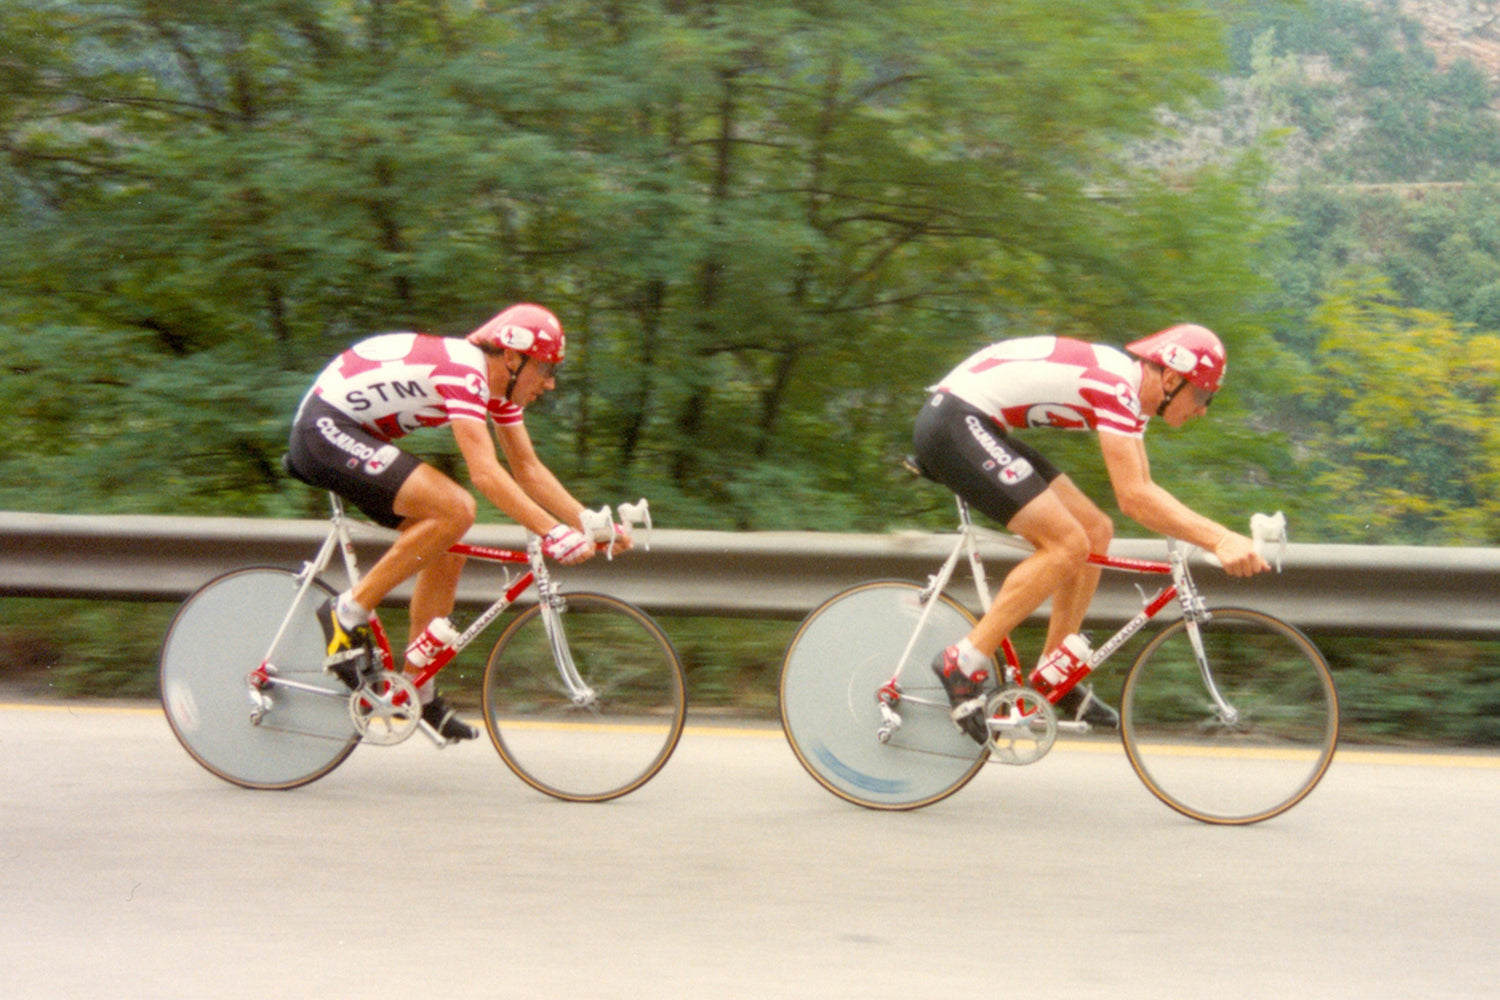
{"x": 340, "y": 540}
{"x": 1182, "y": 590}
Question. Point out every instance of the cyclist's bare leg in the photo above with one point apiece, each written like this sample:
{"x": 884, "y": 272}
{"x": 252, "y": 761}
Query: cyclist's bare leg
{"x": 1062, "y": 551}
{"x": 1070, "y": 602}
{"x": 438, "y": 513}
{"x": 433, "y": 593}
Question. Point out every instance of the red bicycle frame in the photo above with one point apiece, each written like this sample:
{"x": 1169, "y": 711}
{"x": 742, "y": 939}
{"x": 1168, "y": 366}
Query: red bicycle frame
{"x": 1153, "y": 607}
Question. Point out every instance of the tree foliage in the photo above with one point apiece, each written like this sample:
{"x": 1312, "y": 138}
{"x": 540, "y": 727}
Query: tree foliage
{"x": 1409, "y": 446}
{"x": 767, "y": 225}
{"x": 1385, "y": 267}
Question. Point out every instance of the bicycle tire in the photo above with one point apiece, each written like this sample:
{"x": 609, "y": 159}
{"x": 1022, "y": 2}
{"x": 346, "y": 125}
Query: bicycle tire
{"x": 594, "y": 752}
{"x": 222, "y": 632}
{"x": 835, "y": 665}
{"x": 1230, "y": 773}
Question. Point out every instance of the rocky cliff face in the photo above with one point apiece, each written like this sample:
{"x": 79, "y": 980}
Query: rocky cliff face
{"x": 1255, "y": 106}
{"x": 1460, "y": 29}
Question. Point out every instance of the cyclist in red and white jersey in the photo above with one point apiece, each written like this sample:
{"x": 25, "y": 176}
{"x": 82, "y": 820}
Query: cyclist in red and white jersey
{"x": 382, "y": 389}
{"x": 397, "y": 383}
{"x": 1051, "y": 382}
{"x": 963, "y": 440}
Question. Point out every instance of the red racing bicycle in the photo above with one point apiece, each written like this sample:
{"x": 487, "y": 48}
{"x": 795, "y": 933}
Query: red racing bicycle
{"x": 1228, "y": 715}
{"x": 584, "y": 696}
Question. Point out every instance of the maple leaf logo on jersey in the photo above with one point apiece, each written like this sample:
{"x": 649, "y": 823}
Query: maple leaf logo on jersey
{"x": 1053, "y": 415}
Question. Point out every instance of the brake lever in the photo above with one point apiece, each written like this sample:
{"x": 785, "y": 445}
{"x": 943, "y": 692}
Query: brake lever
{"x": 639, "y": 512}
{"x": 1264, "y": 528}
{"x": 1269, "y": 528}
{"x": 599, "y": 526}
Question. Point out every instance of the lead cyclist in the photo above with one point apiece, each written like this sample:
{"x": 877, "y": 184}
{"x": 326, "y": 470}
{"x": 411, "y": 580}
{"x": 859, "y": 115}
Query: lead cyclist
{"x": 964, "y": 440}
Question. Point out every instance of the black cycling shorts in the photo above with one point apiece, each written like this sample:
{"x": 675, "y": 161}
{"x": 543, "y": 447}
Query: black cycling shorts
{"x": 329, "y": 449}
{"x": 960, "y": 447}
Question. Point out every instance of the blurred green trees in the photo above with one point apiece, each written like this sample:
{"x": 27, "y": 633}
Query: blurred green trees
{"x": 767, "y": 225}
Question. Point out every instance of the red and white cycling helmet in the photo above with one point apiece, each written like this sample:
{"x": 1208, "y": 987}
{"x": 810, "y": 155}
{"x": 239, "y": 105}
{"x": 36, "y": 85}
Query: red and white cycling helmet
{"x": 527, "y": 328}
{"x": 1192, "y": 351}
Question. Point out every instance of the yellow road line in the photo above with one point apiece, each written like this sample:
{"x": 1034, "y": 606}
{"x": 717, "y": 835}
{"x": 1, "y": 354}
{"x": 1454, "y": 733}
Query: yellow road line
{"x": 1416, "y": 758}
{"x": 82, "y": 708}
{"x": 1478, "y": 760}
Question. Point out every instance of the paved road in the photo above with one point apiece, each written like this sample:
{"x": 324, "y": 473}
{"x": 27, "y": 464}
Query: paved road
{"x": 126, "y": 871}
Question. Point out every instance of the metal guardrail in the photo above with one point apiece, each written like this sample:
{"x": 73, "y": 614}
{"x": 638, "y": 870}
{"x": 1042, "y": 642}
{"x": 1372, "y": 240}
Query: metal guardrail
{"x": 1374, "y": 590}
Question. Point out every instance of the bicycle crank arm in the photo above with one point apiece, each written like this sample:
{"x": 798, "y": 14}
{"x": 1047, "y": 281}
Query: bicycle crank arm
{"x": 436, "y": 737}
{"x": 1017, "y": 725}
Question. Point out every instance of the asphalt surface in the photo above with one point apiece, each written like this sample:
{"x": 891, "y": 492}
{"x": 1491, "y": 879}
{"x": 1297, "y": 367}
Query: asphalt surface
{"x": 127, "y": 871}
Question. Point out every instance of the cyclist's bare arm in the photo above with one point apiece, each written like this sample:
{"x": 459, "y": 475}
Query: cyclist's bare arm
{"x": 1148, "y": 504}
{"x": 538, "y": 481}
{"x": 497, "y": 485}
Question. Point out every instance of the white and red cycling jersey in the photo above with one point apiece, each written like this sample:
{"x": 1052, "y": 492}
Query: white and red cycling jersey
{"x": 395, "y": 383}
{"x": 1052, "y": 382}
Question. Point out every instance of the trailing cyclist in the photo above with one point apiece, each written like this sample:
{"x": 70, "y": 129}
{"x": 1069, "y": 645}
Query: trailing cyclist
{"x": 964, "y": 440}
{"x": 385, "y": 387}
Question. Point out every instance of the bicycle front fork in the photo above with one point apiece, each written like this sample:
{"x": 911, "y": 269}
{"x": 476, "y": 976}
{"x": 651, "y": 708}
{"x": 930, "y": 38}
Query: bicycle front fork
{"x": 579, "y": 692}
{"x": 1228, "y": 714}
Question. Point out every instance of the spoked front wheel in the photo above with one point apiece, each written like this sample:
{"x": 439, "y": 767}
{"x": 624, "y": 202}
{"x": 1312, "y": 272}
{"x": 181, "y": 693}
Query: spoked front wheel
{"x": 594, "y": 716}
{"x": 841, "y": 656}
{"x": 220, "y": 635}
{"x": 1232, "y": 720}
